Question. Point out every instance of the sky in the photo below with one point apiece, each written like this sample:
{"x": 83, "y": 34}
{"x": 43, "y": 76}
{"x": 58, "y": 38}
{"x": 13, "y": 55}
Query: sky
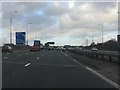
{"x": 65, "y": 23}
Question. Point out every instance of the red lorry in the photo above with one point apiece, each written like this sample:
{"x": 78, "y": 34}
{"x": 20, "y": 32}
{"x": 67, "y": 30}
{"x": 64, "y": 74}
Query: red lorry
{"x": 36, "y": 46}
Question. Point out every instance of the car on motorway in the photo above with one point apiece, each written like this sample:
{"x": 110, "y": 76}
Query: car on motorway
{"x": 63, "y": 49}
{"x": 94, "y": 49}
{"x": 7, "y": 48}
{"x": 57, "y": 48}
{"x": 50, "y": 48}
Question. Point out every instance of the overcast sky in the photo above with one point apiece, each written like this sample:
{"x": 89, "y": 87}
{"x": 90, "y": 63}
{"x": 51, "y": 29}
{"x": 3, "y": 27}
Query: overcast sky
{"x": 62, "y": 22}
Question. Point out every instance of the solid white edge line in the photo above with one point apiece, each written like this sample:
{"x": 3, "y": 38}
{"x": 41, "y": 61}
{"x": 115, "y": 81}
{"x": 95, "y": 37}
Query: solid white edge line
{"x": 27, "y": 64}
{"x": 103, "y": 77}
{"x": 96, "y": 73}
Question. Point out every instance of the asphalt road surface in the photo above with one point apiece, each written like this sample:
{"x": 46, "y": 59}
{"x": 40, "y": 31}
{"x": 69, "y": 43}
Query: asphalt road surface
{"x": 46, "y": 69}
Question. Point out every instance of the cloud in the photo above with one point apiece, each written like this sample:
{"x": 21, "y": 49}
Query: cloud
{"x": 71, "y": 21}
{"x": 57, "y": 8}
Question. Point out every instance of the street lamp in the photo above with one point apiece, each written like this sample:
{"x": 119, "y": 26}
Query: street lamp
{"x": 92, "y": 37}
{"x": 11, "y": 25}
{"x": 102, "y": 31}
{"x": 86, "y": 42}
{"x": 102, "y": 34}
{"x": 27, "y": 30}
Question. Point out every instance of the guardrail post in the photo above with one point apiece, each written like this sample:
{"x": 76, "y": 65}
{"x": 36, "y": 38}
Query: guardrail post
{"x": 102, "y": 57}
{"x": 83, "y": 53}
{"x": 96, "y": 56}
{"x": 118, "y": 39}
{"x": 110, "y": 58}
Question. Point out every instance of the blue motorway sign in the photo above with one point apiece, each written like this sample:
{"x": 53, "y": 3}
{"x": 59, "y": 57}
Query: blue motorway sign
{"x": 20, "y": 38}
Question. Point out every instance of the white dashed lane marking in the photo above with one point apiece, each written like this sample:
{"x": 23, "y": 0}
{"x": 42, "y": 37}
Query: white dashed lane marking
{"x": 19, "y": 55}
{"x": 27, "y": 53}
{"x": 27, "y": 64}
{"x": 45, "y": 54}
{"x": 37, "y": 58}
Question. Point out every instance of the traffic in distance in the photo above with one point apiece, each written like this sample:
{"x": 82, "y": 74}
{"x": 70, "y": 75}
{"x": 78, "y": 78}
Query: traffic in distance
{"x": 37, "y": 47}
{"x": 56, "y": 45}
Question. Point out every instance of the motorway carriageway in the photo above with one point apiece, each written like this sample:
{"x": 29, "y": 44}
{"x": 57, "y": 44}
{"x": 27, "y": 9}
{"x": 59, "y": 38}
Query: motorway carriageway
{"x": 48, "y": 69}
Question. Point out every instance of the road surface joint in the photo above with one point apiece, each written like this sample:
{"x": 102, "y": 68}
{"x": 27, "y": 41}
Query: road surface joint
{"x": 44, "y": 54}
{"x": 55, "y": 65}
{"x": 5, "y": 58}
{"x": 19, "y": 54}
